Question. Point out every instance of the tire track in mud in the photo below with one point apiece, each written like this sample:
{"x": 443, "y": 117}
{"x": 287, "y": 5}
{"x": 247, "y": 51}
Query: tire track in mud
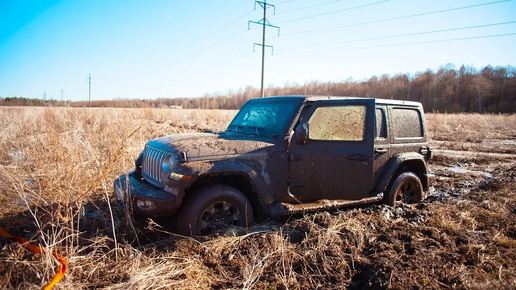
{"x": 472, "y": 154}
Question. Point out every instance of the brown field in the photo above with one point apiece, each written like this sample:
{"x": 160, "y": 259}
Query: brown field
{"x": 58, "y": 164}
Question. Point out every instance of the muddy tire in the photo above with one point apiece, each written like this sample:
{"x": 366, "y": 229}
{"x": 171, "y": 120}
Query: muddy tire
{"x": 406, "y": 188}
{"x": 211, "y": 209}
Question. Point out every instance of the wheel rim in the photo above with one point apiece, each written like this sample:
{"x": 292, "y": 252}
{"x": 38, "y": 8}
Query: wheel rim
{"x": 218, "y": 216}
{"x": 407, "y": 192}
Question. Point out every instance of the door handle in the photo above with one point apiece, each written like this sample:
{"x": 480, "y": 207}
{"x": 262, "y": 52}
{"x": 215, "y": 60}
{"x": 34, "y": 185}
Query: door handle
{"x": 380, "y": 150}
{"x": 358, "y": 157}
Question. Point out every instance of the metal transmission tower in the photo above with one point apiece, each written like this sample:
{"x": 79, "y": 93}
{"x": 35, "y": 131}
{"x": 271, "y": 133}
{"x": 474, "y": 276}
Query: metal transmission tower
{"x": 89, "y": 89}
{"x": 264, "y": 22}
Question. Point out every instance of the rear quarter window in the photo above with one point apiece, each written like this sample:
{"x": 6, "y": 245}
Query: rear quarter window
{"x": 407, "y": 123}
{"x": 381, "y": 126}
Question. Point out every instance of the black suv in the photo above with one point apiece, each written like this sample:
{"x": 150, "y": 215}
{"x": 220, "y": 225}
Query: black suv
{"x": 283, "y": 155}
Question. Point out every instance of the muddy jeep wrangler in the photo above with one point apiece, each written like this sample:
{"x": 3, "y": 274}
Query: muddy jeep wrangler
{"x": 283, "y": 155}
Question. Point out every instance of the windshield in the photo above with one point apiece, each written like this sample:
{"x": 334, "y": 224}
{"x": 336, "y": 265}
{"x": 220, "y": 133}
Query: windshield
{"x": 262, "y": 118}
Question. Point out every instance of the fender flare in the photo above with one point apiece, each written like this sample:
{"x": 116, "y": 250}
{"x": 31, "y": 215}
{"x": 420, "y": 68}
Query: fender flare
{"x": 394, "y": 164}
{"x": 250, "y": 170}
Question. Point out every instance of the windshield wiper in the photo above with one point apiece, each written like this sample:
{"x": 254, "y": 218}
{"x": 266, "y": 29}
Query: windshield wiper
{"x": 236, "y": 128}
{"x": 257, "y": 128}
{"x": 254, "y": 129}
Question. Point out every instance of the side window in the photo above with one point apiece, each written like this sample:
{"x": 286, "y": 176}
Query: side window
{"x": 407, "y": 123}
{"x": 381, "y": 125}
{"x": 338, "y": 123}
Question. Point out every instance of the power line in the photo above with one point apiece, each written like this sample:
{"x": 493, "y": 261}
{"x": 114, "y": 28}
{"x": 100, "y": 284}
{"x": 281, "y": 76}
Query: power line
{"x": 217, "y": 63}
{"x": 399, "y": 17}
{"x": 220, "y": 29}
{"x": 212, "y": 46}
{"x": 407, "y": 34}
{"x": 161, "y": 62}
{"x": 311, "y": 6}
{"x": 224, "y": 40}
{"x": 284, "y": 2}
{"x": 447, "y": 40}
{"x": 336, "y": 11}
{"x": 207, "y": 48}
{"x": 164, "y": 66}
{"x": 413, "y": 43}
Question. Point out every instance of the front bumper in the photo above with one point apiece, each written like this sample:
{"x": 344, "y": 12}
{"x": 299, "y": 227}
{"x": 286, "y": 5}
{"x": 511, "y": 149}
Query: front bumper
{"x": 128, "y": 188}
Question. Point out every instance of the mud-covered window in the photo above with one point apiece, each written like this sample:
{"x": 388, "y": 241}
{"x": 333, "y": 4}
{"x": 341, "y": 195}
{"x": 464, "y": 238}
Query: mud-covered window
{"x": 344, "y": 123}
{"x": 407, "y": 123}
{"x": 381, "y": 126}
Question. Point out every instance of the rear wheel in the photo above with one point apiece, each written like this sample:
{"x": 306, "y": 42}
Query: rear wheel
{"x": 213, "y": 208}
{"x": 406, "y": 188}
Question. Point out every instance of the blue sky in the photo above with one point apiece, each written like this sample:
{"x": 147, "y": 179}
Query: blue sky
{"x": 166, "y": 49}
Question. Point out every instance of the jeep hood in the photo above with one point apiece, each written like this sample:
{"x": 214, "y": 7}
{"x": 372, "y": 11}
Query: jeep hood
{"x": 209, "y": 145}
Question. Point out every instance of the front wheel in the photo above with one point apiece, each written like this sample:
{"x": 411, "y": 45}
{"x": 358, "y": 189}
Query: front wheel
{"x": 406, "y": 188}
{"x": 211, "y": 209}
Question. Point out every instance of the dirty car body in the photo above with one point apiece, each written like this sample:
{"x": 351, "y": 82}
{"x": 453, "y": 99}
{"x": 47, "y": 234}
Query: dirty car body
{"x": 282, "y": 155}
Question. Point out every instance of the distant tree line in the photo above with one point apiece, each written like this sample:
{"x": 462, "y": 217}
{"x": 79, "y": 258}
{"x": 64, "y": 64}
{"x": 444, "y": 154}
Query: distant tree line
{"x": 488, "y": 90}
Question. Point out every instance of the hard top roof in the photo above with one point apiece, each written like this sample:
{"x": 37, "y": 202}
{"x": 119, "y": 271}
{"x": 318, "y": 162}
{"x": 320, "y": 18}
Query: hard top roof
{"x": 331, "y": 98}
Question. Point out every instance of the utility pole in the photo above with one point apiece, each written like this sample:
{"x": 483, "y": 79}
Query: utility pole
{"x": 61, "y": 95}
{"x": 89, "y": 89}
{"x": 264, "y": 22}
{"x": 44, "y": 96}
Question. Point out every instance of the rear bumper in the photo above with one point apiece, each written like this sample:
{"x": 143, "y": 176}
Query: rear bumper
{"x": 158, "y": 202}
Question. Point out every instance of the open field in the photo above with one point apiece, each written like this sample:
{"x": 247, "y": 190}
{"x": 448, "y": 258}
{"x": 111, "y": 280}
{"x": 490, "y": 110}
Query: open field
{"x": 57, "y": 166}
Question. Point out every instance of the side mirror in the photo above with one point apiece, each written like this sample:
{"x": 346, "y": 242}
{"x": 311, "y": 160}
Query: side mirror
{"x": 302, "y": 133}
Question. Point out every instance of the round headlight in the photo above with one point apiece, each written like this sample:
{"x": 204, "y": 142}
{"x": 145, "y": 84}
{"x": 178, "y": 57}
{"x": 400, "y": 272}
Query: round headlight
{"x": 169, "y": 162}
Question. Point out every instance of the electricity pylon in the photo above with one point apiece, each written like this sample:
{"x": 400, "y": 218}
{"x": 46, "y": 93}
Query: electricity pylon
{"x": 264, "y": 22}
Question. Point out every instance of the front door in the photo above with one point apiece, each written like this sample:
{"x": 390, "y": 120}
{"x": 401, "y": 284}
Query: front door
{"x": 336, "y": 162}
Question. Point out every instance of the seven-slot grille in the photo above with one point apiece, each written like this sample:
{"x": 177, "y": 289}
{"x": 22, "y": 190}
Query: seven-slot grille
{"x": 151, "y": 166}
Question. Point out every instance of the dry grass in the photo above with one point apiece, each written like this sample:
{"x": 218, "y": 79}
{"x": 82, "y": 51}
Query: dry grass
{"x": 473, "y": 132}
{"x": 59, "y": 163}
